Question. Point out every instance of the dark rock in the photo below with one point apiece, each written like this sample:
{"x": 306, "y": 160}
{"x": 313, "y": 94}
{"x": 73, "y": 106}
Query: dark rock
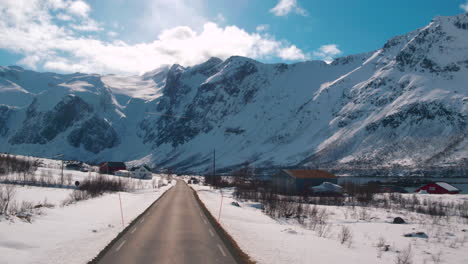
{"x": 236, "y": 204}
{"x": 95, "y": 135}
{"x": 398, "y": 220}
{"x": 5, "y": 113}
{"x": 234, "y": 130}
{"x": 417, "y": 235}
{"x": 416, "y": 113}
{"x": 42, "y": 127}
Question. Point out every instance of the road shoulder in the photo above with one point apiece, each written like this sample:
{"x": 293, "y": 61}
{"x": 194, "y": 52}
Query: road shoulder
{"x": 239, "y": 255}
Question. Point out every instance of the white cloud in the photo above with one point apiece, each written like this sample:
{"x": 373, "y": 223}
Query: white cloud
{"x": 163, "y": 14}
{"x": 292, "y": 53}
{"x": 32, "y": 32}
{"x": 464, "y": 6}
{"x": 262, "y": 27}
{"x": 30, "y": 61}
{"x": 284, "y": 7}
{"x": 57, "y": 4}
{"x": 79, "y": 8}
{"x": 327, "y": 52}
{"x": 60, "y": 64}
{"x": 64, "y": 17}
{"x": 87, "y": 25}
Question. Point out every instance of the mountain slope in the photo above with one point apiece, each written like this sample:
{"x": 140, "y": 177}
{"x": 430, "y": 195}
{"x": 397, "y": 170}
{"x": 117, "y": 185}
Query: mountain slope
{"x": 413, "y": 108}
{"x": 402, "y": 105}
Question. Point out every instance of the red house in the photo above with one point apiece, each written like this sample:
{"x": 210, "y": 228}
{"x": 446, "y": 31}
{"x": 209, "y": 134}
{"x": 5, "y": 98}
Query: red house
{"x": 439, "y": 188}
{"x": 110, "y": 167}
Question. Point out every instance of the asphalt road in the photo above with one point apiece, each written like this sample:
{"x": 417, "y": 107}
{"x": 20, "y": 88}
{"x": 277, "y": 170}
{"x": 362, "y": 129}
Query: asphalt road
{"x": 173, "y": 230}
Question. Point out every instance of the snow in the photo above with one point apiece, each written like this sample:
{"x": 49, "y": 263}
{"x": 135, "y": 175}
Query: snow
{"x": 366, "y": 109}
{"x": 75, "y": 233}
{"x": 38, "y": 195}
{"x": 447, "y": 186}
{"x": 327, "y": 187}
{"x": 271, "y": 241}
{"x": 132, "y": 86}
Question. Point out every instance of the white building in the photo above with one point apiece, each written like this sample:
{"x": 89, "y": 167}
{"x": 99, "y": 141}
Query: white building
{"x": 122, "y": 173}
{"x": 142, "y": 172}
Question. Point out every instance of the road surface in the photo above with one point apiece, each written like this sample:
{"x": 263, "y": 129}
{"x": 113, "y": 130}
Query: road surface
{"x": 173, "y": 230}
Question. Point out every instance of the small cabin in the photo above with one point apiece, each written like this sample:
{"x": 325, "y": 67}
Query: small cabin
{"x": 110, "y": 167}
{"x": 438, "y": 188}
{"x": 122, "y": 173}
{"x": 142, "y": 172}
{"x": 300, "y": 181}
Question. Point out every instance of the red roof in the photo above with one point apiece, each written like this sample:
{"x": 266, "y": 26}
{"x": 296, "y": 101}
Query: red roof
{"x": 114, "y": 164}
{"x": 439, "y": 188}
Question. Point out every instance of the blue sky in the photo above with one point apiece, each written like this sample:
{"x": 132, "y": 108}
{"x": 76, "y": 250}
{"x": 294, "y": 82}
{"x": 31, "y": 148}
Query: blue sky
{"x": 131, "y": 37}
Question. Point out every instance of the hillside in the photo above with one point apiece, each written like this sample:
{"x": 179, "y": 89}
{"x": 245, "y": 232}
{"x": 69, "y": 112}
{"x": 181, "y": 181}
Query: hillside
{"x": 405, "y": 104}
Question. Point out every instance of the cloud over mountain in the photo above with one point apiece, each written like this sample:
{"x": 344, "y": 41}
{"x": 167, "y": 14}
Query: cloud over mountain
{"x": 68, "y": 41}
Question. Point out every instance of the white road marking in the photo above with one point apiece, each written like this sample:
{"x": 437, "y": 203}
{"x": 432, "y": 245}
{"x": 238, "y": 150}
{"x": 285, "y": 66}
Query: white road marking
{"x": 205, "y": 221}
{"x": 133, "y": 231}
{"x": 142, "y": 220}
{"x": 121, "y": 244}
{"x": 211, "y": 232}
{"x": 221, "y": 249}
{"x": 201, "y": 214}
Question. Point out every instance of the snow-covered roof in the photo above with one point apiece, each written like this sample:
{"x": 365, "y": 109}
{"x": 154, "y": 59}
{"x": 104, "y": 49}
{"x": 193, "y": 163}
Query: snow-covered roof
{"x": 328, "y": 187}
{"x": 140, "y": 167}
{"x": 447, "y": 186}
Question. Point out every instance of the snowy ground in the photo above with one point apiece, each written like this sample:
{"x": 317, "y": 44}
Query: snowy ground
{"x": 50, "y": 171}
{"x": 285, "y": 241}
{"x": 74, "y": 233}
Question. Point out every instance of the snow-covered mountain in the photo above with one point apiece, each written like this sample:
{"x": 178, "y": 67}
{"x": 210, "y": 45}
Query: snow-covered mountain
{"x": 405, "y": 104}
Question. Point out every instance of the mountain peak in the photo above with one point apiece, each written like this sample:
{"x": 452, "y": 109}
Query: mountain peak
{"x": 239, "y": 59}
{"x": 462, "y": 16}
{"x": 156, "y": 72}
{"x": 402, "y": 104}
{"x": 214, "y": 60}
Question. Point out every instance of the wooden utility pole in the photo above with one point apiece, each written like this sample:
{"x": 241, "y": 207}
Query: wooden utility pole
{"x": 61, "y": 179}
{"x": 121, "y": 212}
{"x": 56, "y": 156}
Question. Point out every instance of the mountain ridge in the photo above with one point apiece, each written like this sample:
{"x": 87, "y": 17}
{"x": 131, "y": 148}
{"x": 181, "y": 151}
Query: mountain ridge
{"x": 404, "y": 105}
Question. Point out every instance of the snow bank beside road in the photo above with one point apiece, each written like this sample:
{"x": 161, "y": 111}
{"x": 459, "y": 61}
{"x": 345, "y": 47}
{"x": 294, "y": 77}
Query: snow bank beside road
{"x": 272, "y": 241}
{"x": 70, "y": 234}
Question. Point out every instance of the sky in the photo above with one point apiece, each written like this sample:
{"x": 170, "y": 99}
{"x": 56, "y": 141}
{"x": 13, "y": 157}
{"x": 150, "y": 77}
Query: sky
{"x": 133, "y": 37}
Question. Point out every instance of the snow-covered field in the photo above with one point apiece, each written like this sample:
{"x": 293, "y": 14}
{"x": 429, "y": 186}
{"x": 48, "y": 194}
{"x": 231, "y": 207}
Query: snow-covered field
{"x": 270, "y": 241}
{"x": 49, "y": 173}
{"x": 75, "y": 233}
